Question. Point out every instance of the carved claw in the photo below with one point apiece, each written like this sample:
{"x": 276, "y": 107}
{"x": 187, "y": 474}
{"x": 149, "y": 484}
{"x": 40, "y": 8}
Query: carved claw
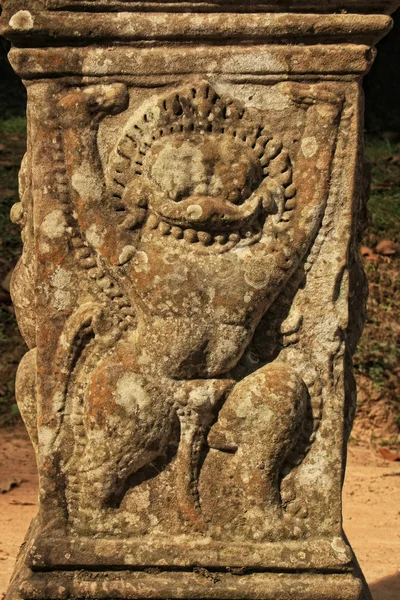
{"x": 107, "y": 99}
{"x": 82, "y": 104}
{"x": 310, "y": 94}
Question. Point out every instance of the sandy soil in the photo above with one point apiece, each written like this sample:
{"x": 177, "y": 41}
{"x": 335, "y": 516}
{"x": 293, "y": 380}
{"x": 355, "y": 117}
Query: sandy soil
{"x": 371, "y": 510}
{"x": 18, "y": 496}
{"x": 371, "y": 507}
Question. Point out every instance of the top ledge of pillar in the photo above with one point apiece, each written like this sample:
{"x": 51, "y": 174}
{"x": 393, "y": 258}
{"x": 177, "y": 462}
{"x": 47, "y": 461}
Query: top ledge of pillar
{"x": 205, "y": 6}
{"x": 354, "y": 24}
{"x": 47, "y": 22}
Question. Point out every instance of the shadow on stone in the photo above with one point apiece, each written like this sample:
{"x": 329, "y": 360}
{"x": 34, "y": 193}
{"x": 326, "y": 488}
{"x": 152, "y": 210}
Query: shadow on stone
{"x": 387, "y": 588}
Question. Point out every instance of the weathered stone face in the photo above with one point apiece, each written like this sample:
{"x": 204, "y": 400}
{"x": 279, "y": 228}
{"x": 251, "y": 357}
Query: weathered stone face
{"x": 191, "y": 203}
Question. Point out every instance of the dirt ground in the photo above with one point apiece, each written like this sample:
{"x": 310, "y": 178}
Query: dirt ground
{"x": 371, "y": 510}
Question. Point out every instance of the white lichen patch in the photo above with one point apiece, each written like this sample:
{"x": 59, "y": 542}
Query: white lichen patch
{"x": 131, "y": 394}
{"x": 314, "y": 472}
{"x": 244, "y": 407}
{"x": 202, "y": 396}
{"x": 264, "y": 62}
{"x": 153, "y": 520}
{"x": 243, "y": 252}
{"x": 54, "y": 224}
{"x": 144, "y": 358}
{"x": 128, "y": 252}
{"x": 194, "y": 211}
{"x": 61, "y": 279}
{"x": 47, "y": 438}
{"x": 86, "y": 184}
{"x": 340, "y": 547}
{"x": 141, "y": 262}
{"x": 142, "y": 499}
{"x": 257, "y": 96}
{"x": 94, "y": 236}
{"x": 309, "y": 146}
{"x": 22, "y": 21}
{"x": 61, "y": 297}
{"x": 257, "y": 279}
{"x": 58, "y": 401}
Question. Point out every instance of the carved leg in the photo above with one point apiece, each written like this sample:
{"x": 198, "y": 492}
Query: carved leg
{"x": 259, "y": 423}
{"x": 127, "y": 424}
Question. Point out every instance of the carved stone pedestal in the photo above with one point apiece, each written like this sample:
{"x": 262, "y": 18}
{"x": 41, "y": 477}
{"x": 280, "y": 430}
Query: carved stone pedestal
{"x": 192, "y": 199}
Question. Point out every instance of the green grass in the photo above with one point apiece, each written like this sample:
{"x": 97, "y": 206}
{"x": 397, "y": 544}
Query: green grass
{"x": 378, "y": 354}
{"x": 13, "y": 125}
{"x": 384, "y": 202}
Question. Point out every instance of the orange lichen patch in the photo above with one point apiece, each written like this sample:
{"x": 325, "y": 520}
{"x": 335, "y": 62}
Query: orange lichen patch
{"x": 101, "y": 400}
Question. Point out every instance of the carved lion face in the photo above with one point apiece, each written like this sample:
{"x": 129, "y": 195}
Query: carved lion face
{"x": 196, "y": 165}
{"x": 202, "y": 180}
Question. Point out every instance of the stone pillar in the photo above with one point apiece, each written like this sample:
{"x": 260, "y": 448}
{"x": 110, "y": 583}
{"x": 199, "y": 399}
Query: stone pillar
{"x": 192, "y": 200}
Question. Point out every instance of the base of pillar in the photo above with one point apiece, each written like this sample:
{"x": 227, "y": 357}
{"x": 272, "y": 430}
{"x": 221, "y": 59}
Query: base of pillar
{"x": 202, "y": 584}
{"x": 197, "y": 584}
{"x": 78, "y": 580}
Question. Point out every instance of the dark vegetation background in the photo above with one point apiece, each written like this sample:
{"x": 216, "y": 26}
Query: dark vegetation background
{"x": 377, "y": 360}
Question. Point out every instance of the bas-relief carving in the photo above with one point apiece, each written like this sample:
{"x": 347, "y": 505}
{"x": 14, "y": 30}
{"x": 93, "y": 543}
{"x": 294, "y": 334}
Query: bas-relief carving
{"x": 191, "y": 294}
{"x": 187, "y": 388}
